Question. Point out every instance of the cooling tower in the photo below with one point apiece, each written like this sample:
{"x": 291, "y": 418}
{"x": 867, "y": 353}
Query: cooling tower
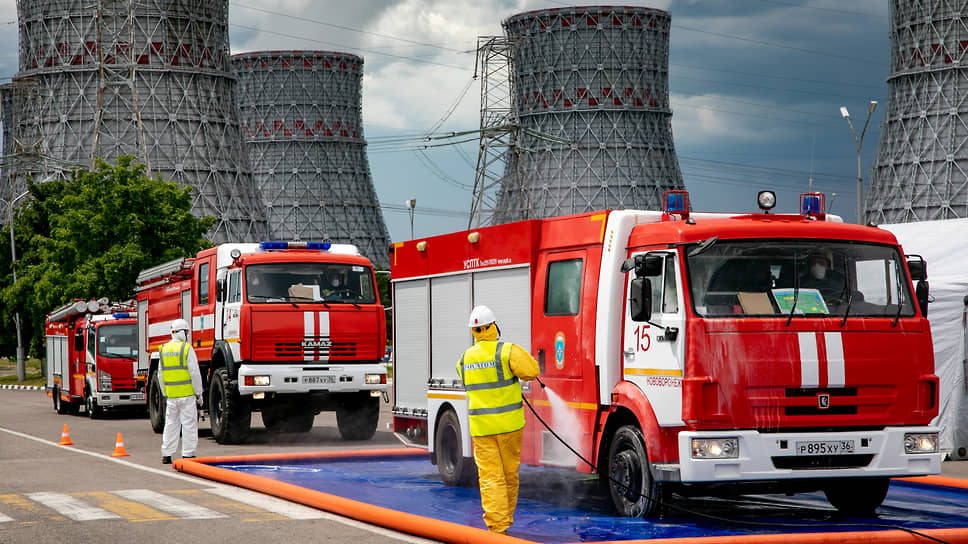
{"x": 921, "y": 169}
{"x": 149, "y": 78}
{"x": 303, "y": 130}
{"x": 591, "y": 86}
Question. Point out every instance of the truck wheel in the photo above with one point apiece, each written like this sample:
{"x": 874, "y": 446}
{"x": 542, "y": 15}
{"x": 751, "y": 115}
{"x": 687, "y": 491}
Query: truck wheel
{"x": 357, "y": 416}
{"x": 856, "y": 496}
{"x": 90, "y": 404}
{"x": 455, "y": 469}
{"x": 231, "y": 414}
{"x": 61, "y": 407}
{"x": 156, "y": 404}
{"x": 634, "y": 492}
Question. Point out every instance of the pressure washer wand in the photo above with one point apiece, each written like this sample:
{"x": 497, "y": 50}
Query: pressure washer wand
{"x": 537, "y": 379}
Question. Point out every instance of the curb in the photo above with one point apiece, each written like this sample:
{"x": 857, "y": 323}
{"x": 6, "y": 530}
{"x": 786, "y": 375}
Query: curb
{"x": 24, "y": 387}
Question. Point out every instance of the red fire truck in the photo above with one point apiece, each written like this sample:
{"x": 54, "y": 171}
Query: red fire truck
{"x": 92, "y": 348}
{"x": 286, "y": 329}
{"x": 687, "y": 353}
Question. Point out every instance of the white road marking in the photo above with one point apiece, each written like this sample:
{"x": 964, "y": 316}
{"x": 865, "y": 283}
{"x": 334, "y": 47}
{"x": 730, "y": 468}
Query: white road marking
{"x": 4, "y": 518}
{"x": 170, "y": 505}
{"x": 269, "y": 503}
{"x": 71, "y": 507}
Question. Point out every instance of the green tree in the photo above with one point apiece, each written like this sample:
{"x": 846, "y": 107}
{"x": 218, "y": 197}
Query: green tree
{"x": 89, "y": 236}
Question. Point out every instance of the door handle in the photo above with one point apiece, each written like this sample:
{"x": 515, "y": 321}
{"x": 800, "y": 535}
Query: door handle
{"x": 541, "y": 359}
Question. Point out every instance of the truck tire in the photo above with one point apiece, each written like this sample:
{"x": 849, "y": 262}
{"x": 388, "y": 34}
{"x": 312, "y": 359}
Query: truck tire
{"x": 357, "y": 416}
{"x": 455, "y": 469}
{"x": 90, "y": 404}
{"x": 856, "y": 496}
{"x": 156, "y": 404}
{"x": 633, "y": 490}
{"x": 59, "y": 406}
{"x": 231, "y": 414}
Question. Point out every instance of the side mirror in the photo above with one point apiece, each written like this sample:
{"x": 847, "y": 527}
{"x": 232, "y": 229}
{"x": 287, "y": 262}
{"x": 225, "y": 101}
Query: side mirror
{"x": 644, "y": 265}
{"x": 917, "y": 267}
{"x": 220, "y": 290}
{"x": 79, "y": 341}
{"x": 640, "y": 299}
{"x": 921, "y": 294}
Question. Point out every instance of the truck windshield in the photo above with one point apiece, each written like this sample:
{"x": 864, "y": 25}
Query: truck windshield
{"x": 769, "y": 278}
{"x": 118, "y": 340}
{"x": 309, "y": 282}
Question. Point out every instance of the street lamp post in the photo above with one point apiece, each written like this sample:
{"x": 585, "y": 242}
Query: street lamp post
{"x": 859, "y": 142}
{"x": 21, "y": 366}
{"x": 411, "y": 204}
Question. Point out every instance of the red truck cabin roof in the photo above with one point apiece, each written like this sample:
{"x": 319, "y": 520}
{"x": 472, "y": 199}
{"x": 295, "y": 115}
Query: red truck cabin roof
{"x": 754, "y": 226}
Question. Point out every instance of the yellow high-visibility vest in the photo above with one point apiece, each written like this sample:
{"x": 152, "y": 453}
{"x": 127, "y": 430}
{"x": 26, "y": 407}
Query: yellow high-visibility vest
{"x": 174, "y": 370}
{"x": 493, "y": 392}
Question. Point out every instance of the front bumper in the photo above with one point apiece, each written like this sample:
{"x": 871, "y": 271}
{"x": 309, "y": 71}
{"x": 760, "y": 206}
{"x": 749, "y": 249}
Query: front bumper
{"x": 769, "y": 456}
{"x": 285, "y": 378}
{"x": 128, "y": 398}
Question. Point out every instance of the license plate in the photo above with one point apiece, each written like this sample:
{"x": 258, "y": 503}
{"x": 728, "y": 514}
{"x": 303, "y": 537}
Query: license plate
{"x": 318, "y": 379}
{"x": 825, "y": 447}
{"x": 138, "y": 396}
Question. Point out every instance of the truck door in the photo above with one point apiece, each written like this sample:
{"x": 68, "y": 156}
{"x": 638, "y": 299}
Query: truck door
{"x": 231, "y": 309}
{"x": 79, "y": 365}
{"x": 559, "y": 346}
{"x": 202, "y": 311}
{"x": 653, "y": 350}
{"x": 558, "y": 314}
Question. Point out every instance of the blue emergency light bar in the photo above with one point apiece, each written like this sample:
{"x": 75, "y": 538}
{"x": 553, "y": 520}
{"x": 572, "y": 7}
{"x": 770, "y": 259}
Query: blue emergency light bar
{"x": 676, "y": 201}
{"x": 121, "y": 315}
{"x": 812, "y": 204}
{"x": 319, "y": 246}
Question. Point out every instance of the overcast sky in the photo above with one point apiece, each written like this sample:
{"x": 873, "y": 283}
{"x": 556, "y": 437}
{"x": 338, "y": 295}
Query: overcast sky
{"x": 756, "y": 87}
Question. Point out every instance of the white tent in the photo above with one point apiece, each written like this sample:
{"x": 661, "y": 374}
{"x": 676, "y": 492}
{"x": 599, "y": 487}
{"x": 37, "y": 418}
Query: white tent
{"x": 944, "y": 246}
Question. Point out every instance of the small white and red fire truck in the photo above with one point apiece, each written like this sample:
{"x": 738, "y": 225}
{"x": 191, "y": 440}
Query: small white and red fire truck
{"x": 286, "y": 329}
{"x": 688, "y": 353}
{"x": 92, "y": 351}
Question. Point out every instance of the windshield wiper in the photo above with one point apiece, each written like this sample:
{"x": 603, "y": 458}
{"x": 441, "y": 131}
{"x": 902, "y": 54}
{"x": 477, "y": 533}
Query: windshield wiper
{"x": 796, "y": 287}
{"x": 703, "y": 246}
{"x": 900, "y": 305}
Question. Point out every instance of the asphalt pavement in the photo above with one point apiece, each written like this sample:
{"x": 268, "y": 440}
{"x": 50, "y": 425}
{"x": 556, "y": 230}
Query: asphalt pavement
{"x": 80, "y": 493}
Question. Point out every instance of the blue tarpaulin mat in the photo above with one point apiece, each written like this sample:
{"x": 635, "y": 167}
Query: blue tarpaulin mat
{"x": 557, "y": 505}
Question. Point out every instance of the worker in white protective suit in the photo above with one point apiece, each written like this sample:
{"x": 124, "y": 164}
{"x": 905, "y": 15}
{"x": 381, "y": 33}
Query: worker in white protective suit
{"x": 490, "y": 371}
{"x": 182, "y": 383}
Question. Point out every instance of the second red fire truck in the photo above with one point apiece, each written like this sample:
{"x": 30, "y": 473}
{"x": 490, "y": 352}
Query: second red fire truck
{"x": 683, "y": 353}
{"x": 285, "y": 329}
{"x": 92, "y": 351}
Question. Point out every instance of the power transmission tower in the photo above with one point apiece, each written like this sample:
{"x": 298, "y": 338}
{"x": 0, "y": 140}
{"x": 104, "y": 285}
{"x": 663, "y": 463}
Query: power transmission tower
{"x": 499, "y": 174}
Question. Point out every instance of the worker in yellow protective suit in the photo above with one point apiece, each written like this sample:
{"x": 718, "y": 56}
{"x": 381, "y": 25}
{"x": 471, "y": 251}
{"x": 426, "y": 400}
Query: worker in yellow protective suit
{"x": 490, "y": 371}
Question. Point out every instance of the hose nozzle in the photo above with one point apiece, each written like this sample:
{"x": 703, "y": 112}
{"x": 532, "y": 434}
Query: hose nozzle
{"x": 537, "y": 379}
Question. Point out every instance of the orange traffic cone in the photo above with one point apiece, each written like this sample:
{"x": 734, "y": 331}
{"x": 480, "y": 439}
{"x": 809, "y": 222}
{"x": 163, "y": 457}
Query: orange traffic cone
{"x": 119, "y": 448}
{"x": 65, "y": 437}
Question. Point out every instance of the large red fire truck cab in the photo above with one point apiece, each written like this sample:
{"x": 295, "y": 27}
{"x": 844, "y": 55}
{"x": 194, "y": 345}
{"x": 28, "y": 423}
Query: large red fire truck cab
{"x": 92, "y": 349}
{"x": 683, "y": 352}
{"x": 285, "y": 329}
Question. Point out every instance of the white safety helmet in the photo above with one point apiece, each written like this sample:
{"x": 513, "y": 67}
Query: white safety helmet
{"x": 480, "y": 316}
{"x": 179, "y": 325}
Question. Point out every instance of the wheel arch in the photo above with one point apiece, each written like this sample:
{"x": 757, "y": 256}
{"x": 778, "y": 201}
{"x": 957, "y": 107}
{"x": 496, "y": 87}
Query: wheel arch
{"x": 631, "y": 407}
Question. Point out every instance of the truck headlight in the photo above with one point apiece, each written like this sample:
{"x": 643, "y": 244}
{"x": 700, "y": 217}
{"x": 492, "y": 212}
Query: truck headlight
{"x": 375, "y": 379}
{"x": 256, "y": 381}
{"x": 103, "y": 381}
{"x": 920, "y": 442}
{"x": 715, "y": 448}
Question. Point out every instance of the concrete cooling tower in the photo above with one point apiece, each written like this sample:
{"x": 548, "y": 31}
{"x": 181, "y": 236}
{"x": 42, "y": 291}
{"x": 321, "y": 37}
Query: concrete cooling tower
{"x": 921, "y": 169}
{"x": 302, "y": 124}
{"x": 592, "y": 91}
{"x": 149, "y": 78}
